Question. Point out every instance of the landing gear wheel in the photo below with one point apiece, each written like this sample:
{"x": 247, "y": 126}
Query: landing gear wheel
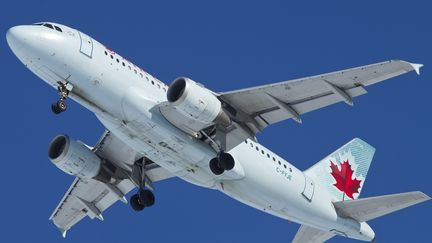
{"x": 135, "y": 203}
{"x": 226, "y": 161}
{"x": 55, "y": 109}
{"x": 146, "y": 197}
{"x": 61, "y": 104}
{"x": 214, "y": 166}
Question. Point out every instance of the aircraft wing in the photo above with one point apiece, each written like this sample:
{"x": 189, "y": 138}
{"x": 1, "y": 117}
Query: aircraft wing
{"x": 308, "y": 234}
{"x": 260, "y": 106}
{"x": 88, "y": 197}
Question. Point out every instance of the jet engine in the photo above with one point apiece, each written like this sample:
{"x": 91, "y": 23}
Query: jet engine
{"x": 75, "y": 158}
{"x": 196, "y": 102}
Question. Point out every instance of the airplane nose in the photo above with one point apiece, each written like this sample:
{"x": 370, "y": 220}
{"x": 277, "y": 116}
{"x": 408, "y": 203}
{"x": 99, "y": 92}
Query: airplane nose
{"x": 16, "y": 37}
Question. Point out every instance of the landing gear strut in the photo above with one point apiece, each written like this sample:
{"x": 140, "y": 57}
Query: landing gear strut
{"x": 144, "y": 197}
{"x": 63, "y": 91}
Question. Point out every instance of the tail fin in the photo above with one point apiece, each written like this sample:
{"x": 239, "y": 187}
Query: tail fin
{"x": 373, "y": 207}
{"x": 344, "y": 172}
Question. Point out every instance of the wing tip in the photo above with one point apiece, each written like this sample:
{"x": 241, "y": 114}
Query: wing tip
{"x": 63, "y": 232}
{"x": 414, "y": 66}
{"x": 423, "y": 195}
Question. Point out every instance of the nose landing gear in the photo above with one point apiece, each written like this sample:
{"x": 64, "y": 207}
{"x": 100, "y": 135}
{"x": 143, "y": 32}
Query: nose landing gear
{"x": 63, "y": 91}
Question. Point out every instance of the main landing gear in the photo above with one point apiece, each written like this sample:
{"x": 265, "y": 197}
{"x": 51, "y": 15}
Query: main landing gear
{"x": 144, "y": 197}
{"x": 63, "y": 91}
{"x": 223, "y": 161}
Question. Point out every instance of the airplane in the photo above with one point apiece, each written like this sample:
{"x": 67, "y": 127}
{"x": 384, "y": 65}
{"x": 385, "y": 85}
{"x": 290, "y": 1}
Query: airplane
{"x": 155, "y": 132}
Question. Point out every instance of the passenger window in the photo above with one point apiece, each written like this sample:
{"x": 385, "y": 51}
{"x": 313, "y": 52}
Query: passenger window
{"x": 159, "y": 88}
{"x": 58, "y": 28}
{"x": 130, "y": 68}
{"x": 49, "y": 26}
{"x": 123, "y": 64}
{"x": 250, "y": 143}
{"x": 112, "y": 57}
{"x": 257, "y": 149}
{"x": 135, "y": 71}
{"x": 274, "y": 159}
{"x": 106, "y": 53}
{"x": 290, "y": 169}
{"x": 279, "y": 162}
{"x": 268, "y": 155}
{"x": 262, "y": 151}
{"x": 285, "y": 166}
{"x": 118, "y": 60}
{"x": 152, "y": 82}
{"x": 141, "y": 75}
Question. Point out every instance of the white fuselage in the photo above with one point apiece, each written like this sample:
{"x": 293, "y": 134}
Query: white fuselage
{"x": 125, "y": 99}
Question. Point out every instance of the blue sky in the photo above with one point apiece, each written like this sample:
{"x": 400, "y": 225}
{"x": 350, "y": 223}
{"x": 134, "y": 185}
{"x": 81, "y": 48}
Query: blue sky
{"x": 226, "y": 45}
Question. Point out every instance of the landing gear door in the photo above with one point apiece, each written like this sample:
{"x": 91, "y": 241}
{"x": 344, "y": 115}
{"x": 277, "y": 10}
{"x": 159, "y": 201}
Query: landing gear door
{"x": 309, "y": 188}
{"x": 86, "y": 46}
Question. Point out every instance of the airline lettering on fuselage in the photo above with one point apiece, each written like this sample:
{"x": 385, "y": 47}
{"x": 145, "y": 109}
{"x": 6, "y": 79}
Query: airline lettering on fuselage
{"x": 284, "y": 173}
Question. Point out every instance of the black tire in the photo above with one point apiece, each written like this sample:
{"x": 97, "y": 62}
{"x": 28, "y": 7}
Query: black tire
{"x": 147, "y": 198}
{"x": 61, "y": 104}
{"x": 226, "y": 161}
{"x": 214, "y": 166}
{"x": 135, "y": 204}
{"x": 55, "y": 109}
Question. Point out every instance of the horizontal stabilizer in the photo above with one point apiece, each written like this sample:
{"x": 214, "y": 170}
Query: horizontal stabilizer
{"x": 373, "y": 207}
{"x": 308, "y": 234}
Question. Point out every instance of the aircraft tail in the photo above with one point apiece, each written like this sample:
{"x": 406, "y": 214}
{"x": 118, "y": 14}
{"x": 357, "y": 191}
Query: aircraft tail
{"x": 344, "y": 171}
{"x": 373, "y": 207}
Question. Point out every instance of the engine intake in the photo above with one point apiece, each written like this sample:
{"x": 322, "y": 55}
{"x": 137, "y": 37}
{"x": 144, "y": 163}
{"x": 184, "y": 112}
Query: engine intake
{"x": 74, "y": 158}
{"x": 197, "y": 102}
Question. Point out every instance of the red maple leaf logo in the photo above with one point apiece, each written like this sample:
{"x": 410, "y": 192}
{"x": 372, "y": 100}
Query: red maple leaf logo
{"x": 343, "y": 177}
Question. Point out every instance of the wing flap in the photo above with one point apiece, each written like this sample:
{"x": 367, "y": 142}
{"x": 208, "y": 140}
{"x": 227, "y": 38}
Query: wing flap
{"x": 370, "y": 208}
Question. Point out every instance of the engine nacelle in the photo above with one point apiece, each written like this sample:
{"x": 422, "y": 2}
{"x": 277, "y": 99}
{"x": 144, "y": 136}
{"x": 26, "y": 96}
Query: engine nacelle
{"x": 196, "y": 102}
{"x": 73, "y": 157}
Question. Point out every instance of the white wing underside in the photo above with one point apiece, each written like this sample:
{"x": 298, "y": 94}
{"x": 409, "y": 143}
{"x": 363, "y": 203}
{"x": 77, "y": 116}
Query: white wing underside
{"x": 308, "y": 234}
{"x": 88, "y": 197}
{"x": 311, "y": 93}
{"x": 261, "y": 106}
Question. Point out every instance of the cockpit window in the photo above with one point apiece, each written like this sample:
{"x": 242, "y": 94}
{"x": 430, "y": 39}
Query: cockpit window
{"x": 38, "y": 24}
{"x": 58, "y": 28}
{"x": 49, "y": 26}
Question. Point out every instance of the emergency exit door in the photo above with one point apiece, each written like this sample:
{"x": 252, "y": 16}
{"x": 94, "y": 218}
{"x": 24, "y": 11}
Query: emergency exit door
{"x": 86, "y": 47}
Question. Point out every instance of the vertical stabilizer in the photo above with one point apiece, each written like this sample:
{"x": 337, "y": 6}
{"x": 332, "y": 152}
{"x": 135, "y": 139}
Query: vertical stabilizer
{"x": 344, "y": 172}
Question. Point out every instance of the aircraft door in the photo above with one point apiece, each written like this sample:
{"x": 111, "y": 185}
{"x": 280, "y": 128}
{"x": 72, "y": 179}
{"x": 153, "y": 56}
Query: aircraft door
{"x": 86, "y": 46}
{"x": 309, "y": 188}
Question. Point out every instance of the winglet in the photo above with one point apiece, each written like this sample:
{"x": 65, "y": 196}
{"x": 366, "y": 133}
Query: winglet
{"x": 416, "y": 67}
{"x": 63, "y": 232}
